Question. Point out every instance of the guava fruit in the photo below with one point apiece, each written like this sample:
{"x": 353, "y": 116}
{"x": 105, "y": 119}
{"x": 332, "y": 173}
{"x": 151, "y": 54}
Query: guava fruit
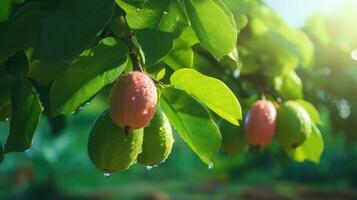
{"x": 294, "y": 125}
{"x": 260, "y": 124}
{"x": 233, "y": 139}
{"x": 158, "y": 140}
{"x": 110, "y": 148}
{"x": 133, "y": 100}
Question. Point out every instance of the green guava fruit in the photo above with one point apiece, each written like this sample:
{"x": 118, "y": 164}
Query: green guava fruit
{"x": 158, "y": 140}
{"x": 294, "y": 125}
{"x": 133, "y": 100}
{"x": 111, "y": 148}
{"x": 233, "y": 139}
{"x": 260, "y": 124}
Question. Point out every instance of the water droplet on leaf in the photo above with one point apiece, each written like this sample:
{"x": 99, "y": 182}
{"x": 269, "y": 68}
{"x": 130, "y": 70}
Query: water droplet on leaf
{"x": 106, "y": 175}
{"x": 210, "y": 166}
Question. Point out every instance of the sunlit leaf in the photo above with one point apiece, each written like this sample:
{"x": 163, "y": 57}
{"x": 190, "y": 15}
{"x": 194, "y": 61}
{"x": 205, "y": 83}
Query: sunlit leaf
{"x": 314, "y": 114}
{"x": 181, "y": 56}
{"x": 214, "y": 26}
{"x": 212, "y": 92}
{"x": 311, "y": 149}
{"x": 289, "y": 86}
{"x": 160, "y": 75}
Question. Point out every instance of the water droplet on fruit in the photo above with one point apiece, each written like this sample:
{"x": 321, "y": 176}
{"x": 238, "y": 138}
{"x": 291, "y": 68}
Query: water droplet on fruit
{"x": 106, "y": 175}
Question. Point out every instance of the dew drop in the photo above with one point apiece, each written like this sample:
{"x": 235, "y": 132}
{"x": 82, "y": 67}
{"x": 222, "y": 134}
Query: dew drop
{"x": 166, "y": 13}
{"x": 149, "y": 168}
{"x": 210, "y": 166}
{"x": 106, "y": 175}
{"x": 354, "y": 54}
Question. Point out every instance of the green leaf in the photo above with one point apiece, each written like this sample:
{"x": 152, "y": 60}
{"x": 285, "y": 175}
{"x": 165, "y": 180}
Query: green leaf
{"x": 289, "y": 86}
{"x": 5, "y": 8}
{"x": 192, "y": 121}
{"x": 26, "y": 111}
{"x": 189, "y": 36}
{"x": 73, "y": 27}
{"x": 233, "y": 139}
{"x": 87, "y": 75}
{"x": 156, "y": 25}
{"x": 1, "y": 154}
{"x": 213, "y": 24}
{"x": 311, "y": 149}
{"x": 161, "y": 74}
{"x": 212, "y": 92}
{"x": 19, "y": 36}
{"x": 6, "y": 81}
{"x": 231, "y": 61}
{"x": 314, "y": 114}
{"x": 181, "y": 56}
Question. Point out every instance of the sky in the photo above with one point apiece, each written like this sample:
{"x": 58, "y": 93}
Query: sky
{"x": 296, "y": 12}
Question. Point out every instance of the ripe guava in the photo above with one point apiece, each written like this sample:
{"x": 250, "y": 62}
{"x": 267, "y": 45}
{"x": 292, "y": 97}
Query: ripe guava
{"x": 158, "y": 140}
{"x": 133, "y": 100}
{"x": 294, "y": 125}
{"x": 260, "y": 124}
{"x": 110, "y": 148}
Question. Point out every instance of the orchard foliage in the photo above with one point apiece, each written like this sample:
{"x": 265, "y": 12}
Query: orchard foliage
{"x": 209, "y": 59}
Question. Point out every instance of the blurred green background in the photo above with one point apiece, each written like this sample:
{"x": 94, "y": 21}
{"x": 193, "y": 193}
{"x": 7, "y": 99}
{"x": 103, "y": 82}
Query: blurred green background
{"x": 57, "y": 166}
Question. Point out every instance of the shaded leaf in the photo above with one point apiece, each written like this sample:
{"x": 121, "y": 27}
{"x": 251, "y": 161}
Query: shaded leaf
{"x": 192, "y": 121}
{"x": 19, "y": 36}
{"x": 156, "y": 25}
{"x": 1, "y": 154}
{"x": 73, "y": 27}
{"x": 87, "y": 75}
{"x": 5, "y": 9}
{"x": 233, "y": 139}
{"x": 212, "y": 92}
{"x": 26, "y": 111}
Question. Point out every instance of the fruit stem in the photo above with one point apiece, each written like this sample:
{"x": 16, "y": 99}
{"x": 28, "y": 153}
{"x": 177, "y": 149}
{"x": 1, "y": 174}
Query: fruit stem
{"x": 135, "y": 60}
{"x": 126, "y": 131}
